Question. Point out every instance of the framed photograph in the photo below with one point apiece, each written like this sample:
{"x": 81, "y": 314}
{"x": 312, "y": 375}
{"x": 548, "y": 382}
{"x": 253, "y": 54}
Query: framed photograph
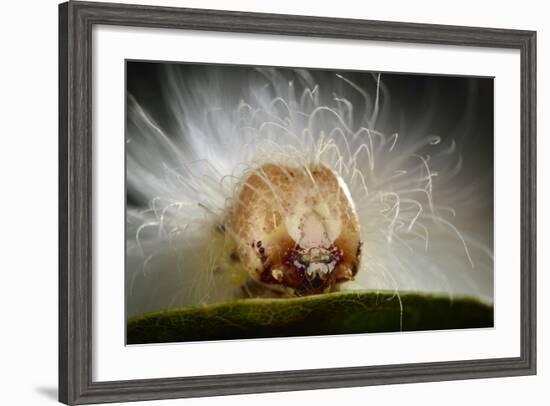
{"x": 257, "y": 202}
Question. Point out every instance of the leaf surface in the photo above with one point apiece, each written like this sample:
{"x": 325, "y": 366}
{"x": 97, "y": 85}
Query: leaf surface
{"x": 326, "y": 314}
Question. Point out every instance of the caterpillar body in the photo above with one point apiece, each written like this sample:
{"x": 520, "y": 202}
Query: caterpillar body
{"x": 296, "y": 228}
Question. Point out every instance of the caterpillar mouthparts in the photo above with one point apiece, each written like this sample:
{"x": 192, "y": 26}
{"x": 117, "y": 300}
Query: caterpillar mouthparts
{"x": 296, "y": 228}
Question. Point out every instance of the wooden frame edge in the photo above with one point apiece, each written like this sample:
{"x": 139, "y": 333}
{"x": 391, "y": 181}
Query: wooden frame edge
{"x": 75, "y": 157}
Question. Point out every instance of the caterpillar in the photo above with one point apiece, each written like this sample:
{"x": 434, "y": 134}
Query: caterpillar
{"x": 296, "y": 228}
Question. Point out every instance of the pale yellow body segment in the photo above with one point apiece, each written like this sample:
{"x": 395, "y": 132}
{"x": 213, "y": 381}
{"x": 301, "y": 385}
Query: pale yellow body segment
{"x": 296, "y": 229}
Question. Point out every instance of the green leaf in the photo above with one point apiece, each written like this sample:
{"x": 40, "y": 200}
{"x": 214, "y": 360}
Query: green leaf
{"x": 326, "y": 314}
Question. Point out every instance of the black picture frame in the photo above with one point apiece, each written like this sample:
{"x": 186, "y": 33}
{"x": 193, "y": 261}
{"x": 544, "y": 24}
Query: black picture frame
{"x": 76, "y": 20}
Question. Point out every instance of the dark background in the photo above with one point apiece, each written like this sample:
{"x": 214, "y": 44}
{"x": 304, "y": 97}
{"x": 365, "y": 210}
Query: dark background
{"x": 457, "y": 107}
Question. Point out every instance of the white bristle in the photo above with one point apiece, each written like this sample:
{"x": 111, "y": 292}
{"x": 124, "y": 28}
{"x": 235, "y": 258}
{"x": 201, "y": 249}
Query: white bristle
{"x": 177, "y": 251}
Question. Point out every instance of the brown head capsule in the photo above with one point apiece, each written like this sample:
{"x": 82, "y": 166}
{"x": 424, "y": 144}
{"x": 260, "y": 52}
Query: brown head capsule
{"x": 296, "y": 229}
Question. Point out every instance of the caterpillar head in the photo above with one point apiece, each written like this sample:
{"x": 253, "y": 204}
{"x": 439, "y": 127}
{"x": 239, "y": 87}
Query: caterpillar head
{"x": 296, "y": 229}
